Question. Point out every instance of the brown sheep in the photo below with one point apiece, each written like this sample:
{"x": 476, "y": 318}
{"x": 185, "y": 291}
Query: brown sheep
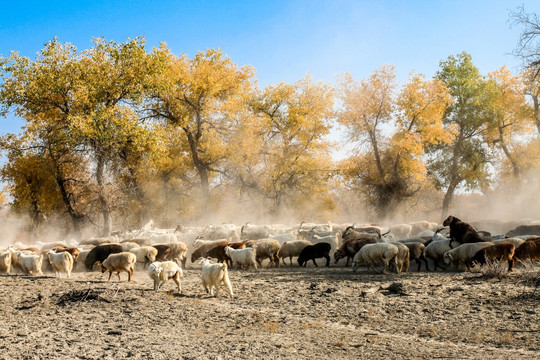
{"x": 462, "y": 232}
{"x": 529, "y": 250}
{"x": 163, "y": 252}
{"x": 499, "y": 252}
{"x": 72, "y": 250}
{"x": 416, "y": 253}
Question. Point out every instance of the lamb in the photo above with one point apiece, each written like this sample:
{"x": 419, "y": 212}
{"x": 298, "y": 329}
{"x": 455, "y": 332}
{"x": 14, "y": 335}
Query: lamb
{"x": 350, "y": 248}
{"x": 5, "y": 261}
{"x": 201, "y": 250}
{"x": 500, "y": 252}
{"x": 242, "y": 257}
{"x": 463, "y": 254}
{"x": 160, "y": 272}
{"x": 218, "y": 252}
{"x": 312, "y": 252}
{"x": 267, "y": 249}
{"x": 100, "y": 253}
{"x": 60, "y": 262}
{"x": 373, "y": 254}
{"x": 145, "y": 254}
{"x": 462, "y": 232}
{"x": 30, "y": 264}
{"x": 292, "y": 248}
{"x": 529, "y": 250}
{"x": 214, "y": 276}
{"x": 123, "y": 261}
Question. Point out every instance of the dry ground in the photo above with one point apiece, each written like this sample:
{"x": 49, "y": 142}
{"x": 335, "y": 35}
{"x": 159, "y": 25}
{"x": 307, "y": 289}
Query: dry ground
{"x": 276, "y": 313}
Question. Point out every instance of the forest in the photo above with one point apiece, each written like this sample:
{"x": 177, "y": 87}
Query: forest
{"x": 119, "y": 134}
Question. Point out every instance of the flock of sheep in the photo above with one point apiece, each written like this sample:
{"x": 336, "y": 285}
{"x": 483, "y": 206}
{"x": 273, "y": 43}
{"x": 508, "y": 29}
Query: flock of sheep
{"x": 165, "y": 251}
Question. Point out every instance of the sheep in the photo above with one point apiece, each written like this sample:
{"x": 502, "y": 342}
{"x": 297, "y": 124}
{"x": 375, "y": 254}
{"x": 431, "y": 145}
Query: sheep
{"x": 435, "y": 251}
{"x": 267, "y": 249}
{"x": 350, "y": 233}
{"x": 292, "y": 248}
{"x": 5, "y": 261}
{"x": 140, "y": 242}
{"x": 95, "y": 241}
{"x": 201, "y": 250}
{"x": 524, "y": 230}
{"x": 373, "y": 254}
{"x": 254, "y": 232}
{"x": 163, "y": 251}
{"x": 515, "y": 241}
{"x": 78, "y": 264}
{"x": 127, "y": 246}
{"x": 463, "y": 254}
{"x": 60, "y": 262}
{"x": 178, "y": 252}
{"x": 242, "y": 257}
{"x": 30, "y": 264}
{"x": 312, "y": 252}
{"x": 462, "y": 232}
{"x": 402, "y": 259}
{"x": 162, "y": 271}
{"x": 283, "y": 238}
{"x": 418, "y": 227}
{"x": 500, "y": 252}
{"x": 145, "y": 254}
{"x": 416, "y": 253}
{"x": 122, "y": 261}
{"x": 218, "y": 252}
{"x": 401, "y": 230}
{"x": 350, "y": 247}
{"x": 100, "y": 253}
{"x": 73, "y": 251}
{"x": 214, "y": 276}
{"x": 529, "y": 250}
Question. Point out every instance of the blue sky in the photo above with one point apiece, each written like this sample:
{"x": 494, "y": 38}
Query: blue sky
{"x": 283, "y": 40}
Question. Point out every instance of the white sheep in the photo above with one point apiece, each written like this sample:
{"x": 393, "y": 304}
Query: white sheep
{"x": 127, "y": 246}
{"x": 30, "y": 264}
{"x": 373, "y": 254}
{"x": 292, "y": 248}
{"x": 123, "y": 261}
{"x": 145, "y": 254}
{"x": 242, "y": 257}
{"x": 463, "y": 254}
{"x": 435, "y": 250}
{"x": 214, "y": 276}
{"x": 5, "y": 261}
{"x": 161, "y": 271}
{"x": 515, "y": 241}
{"x": 60, "y": 262}
{"x": 400, "y": 231}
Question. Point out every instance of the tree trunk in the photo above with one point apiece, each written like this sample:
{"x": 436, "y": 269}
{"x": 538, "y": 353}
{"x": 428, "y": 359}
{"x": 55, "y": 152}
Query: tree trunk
{"x": 448, "y": 199}
{"x": 504, "y": 147}
{"x": 202, "y": 169}
{"x": 536, "y": 104}
{"x": 104, "y": 205}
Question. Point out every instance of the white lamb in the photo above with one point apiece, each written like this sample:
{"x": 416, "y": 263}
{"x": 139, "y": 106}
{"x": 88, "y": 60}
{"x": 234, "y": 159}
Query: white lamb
{"x": 214, "y": 276}
{"x": 60, "y": 262}
{"x": 161, "y": 271}
{"x": 242, "y": 257}
{"x": 30, "y": 264}
{"x": 373, "y": 254}
{"x": 123, "y": 261}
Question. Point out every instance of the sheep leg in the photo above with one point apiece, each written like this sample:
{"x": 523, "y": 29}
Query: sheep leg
{"x": 314, "y": 262}
{"x": 176, "y": 279}
{"x": 510, "y": 264}
{"x": 110, "y": 274}
{"x": 347, "y": 264}
{"x": 118, "y": 273}
{"x": 327, "y": 260}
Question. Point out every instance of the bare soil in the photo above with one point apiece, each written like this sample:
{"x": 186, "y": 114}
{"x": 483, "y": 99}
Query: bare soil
{"x": 296, "y": 313}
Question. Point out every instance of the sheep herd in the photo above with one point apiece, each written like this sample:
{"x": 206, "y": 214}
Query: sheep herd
{"x": 164, "y": 252}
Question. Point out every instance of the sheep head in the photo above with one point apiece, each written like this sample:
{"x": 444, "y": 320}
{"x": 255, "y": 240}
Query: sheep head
{"x": 449, "y": 220}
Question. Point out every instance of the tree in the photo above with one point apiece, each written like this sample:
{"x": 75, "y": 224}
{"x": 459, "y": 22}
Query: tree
{"x": 465, "y": 159}
{"x": 197, "y": 95}
{"x": 390, "y": 169}
{"x": 281, "y": 153}
{"x": 511, "y": 115}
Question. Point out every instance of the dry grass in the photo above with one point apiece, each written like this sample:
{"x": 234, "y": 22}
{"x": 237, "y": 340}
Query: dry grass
{"x": 493, "y": 269}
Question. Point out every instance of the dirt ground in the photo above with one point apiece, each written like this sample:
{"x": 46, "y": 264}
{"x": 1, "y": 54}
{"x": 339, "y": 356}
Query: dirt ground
{"x": 295, "y": 313}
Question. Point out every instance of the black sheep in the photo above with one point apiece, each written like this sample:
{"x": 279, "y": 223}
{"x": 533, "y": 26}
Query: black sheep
{"x": 311, "y": 252}
{"x": 100, "y": 253}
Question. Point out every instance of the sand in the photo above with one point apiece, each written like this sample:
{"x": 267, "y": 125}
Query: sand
{"x": 284, "y": 313}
